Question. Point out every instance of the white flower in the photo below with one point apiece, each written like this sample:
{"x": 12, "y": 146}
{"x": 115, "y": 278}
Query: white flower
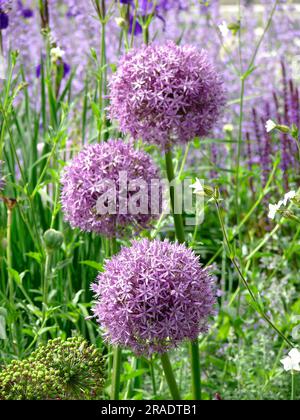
{"x": 289, "y": 196}
{"x": 228, "y": 128}
{"x": 292, "y": 361}
{"x": 56, "y": 54}
{"x": 121, "y": 22}
{"x": 270, "y": 125}
{"x": 259, "y": 32}
{"x": 198, "y": 188}
{"x": 273, "y": 208}
{"x": 224, "y": 29}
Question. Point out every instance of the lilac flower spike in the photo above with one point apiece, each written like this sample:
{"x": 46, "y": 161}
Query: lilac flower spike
{"x": 152, "y": 296}
{"x": 97, "y": 171}
{"x": 166, "y": 94}
{"x": 5, "y": 7}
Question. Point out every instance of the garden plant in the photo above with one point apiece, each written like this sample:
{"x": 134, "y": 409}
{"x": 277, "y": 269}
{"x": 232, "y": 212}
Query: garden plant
{"x": 149, "y": 200}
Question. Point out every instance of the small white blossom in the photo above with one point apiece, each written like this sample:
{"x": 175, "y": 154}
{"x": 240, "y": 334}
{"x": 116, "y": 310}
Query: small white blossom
{"x": 273, "y": 208}
{"x": 228, "y": 128}
{"x": 289, "y": 196}
{"x": 224, "y": 29}
{"x": 292, "y": 361}
{"x": 270, "y": 126}
{"x": 56, "y": 54}
{"x": 198, "y": 188}
{"x": 259, "y": 32}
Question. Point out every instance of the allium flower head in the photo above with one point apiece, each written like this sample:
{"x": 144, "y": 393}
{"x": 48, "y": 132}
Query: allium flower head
{"x": 166, "y": 94}
{"x": 108, "y": 170}
{"x": 152, "y": 296}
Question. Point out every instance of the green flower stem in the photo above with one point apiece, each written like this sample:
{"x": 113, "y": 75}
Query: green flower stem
{"x": 180, "y": 234}
{"x": 117, "y": 351}
{"x": 9, "y": 254}
{"x": 152, "y": 372}
{"x": 293, "y": 395}
{"x": 116, "y": 376}
{"x": 196, "y": 370}
{"x": 47, "y": 275}
{"x": 170, "y": 376}
{"x": 179, "y": 226}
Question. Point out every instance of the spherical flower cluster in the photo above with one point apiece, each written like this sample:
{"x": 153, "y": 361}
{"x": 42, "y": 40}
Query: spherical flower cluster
{"x": 153, "y": 296}
{"x": 61, "y": 370}
{"x": 102, "y": 182}
{"x": 166, "y": 94}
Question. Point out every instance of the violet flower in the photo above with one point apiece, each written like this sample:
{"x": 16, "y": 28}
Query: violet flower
{"x": 152, "y": 296}
{"x": 166, "y": 94}
{"x": 97, "y": 172}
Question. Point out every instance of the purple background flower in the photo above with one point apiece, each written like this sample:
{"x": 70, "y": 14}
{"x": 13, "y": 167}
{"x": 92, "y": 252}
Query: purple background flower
{"x": 166, "y": 94}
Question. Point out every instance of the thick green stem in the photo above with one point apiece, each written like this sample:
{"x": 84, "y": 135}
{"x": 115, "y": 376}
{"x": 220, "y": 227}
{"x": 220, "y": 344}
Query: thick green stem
{"x": 179, "y": 226}
{"x": 293, "y": 395}
{"x": 180, "y": 235}
{"x": 196, "y": 370}
{"x": 47, "y": 274}
{"x": 170, "y": 376}
{"x": 116, "y": 376}
{"x": 117, "y": 352}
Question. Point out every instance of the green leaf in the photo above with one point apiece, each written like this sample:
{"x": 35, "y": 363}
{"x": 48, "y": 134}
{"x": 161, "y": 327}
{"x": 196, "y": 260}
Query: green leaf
{"x": 93, "y": 264}
{"x": 36, "y": 256}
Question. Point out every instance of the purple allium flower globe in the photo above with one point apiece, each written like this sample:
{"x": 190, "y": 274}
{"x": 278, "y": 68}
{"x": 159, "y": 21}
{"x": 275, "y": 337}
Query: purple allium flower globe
{"x": 152, "y": 296}
{"x": 94, "y": 173}
{"x": 166, "y": 94}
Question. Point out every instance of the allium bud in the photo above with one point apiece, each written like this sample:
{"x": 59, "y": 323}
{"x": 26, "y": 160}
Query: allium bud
{"x": 60, "y": 370}
{"x": 53, "y": 240}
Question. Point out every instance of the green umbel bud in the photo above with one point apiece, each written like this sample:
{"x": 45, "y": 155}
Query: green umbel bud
{"x": 60, "y": 370}
{"x": 53, "y": 240}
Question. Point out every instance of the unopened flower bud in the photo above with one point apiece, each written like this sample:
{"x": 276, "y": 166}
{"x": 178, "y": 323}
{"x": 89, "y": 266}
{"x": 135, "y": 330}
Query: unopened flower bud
{"x": 121, "y": 22}
{"x": 53, "y": 239}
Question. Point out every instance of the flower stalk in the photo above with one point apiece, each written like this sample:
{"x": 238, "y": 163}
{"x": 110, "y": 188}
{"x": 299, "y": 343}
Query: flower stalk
{"x": 180, "y": 235}
{"x": 168, "y": 371}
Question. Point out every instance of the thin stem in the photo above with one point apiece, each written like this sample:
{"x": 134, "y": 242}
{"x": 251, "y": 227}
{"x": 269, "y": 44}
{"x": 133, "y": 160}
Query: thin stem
{"x": 9, "y": 254}
{"x": 271, "y": 234}
{"x": 239, "y": 151}
{"x": 116, "y": 376}
{"x": 167, "y": 367}
{"x": 196, "y": 370}
{"x": 243, "y": 279}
